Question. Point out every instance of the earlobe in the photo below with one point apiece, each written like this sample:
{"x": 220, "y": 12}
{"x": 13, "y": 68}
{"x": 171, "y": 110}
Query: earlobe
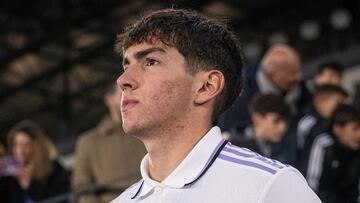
{"x": 211, "y": 85}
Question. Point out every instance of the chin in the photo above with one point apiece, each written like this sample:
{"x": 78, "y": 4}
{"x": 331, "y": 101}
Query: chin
{"x": 129, "y": 129}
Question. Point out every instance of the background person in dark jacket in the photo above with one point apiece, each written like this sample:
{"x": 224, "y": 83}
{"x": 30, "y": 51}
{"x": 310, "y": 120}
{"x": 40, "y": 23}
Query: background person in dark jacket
{"x": 278, "y": 73}
{"x": 316, "y": 119}
{"x": 268, "y": 115}
{"x": 333, "y": 169}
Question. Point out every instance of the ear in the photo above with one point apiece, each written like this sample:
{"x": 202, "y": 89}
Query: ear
{"x": 211, "y": 83}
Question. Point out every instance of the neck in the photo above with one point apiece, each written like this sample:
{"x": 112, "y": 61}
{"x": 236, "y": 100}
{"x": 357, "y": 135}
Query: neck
{"x": 168, "y": 148}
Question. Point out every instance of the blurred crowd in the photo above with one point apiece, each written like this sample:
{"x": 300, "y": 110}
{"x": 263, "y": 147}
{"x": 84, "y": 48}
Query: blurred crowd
{"x": 311, "y": 125}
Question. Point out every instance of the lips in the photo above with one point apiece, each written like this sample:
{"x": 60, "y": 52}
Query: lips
{"x": 127, "y": 104}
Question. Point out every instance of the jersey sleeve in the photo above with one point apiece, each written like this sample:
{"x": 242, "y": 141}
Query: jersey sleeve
{"x": 288, "y": 185}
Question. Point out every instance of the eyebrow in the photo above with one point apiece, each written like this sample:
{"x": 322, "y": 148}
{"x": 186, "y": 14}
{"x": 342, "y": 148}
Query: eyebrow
{"x": 143, "y": 53}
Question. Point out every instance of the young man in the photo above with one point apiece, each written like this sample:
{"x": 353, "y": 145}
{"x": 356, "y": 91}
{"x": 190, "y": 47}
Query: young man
{"x": 269, "y": 113}
{"x": 181, "y": 70}
{"x": 334, "y": 164}
{"x": 316, "y": 120}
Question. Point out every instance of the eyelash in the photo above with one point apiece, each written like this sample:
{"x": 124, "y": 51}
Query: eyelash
{"x": 150, "y": 60}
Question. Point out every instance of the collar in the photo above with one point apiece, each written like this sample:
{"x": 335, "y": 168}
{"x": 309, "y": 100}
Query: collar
{"x": 191, "y": 169}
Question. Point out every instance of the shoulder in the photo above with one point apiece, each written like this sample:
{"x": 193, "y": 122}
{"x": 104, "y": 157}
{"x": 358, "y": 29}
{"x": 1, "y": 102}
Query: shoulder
{"x": 87, "y": 137}
{"x": 323, "y": 141}
{"x": 238, "y": 157}
{"x": 307, "y": 121}
{"x": 263, "y": 177}
{"x": 128, "y": 193}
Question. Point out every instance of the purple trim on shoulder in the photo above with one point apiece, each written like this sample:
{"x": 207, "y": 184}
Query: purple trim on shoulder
{"x": 255, "y": 156}
{"x": 246, "y": 163}
{"x": 233, "y": 151}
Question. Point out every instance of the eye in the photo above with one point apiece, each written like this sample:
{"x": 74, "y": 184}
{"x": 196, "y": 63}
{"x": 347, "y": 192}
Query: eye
{"x": 151, "y": 62}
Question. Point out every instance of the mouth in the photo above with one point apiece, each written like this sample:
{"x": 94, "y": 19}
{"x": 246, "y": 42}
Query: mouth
{"x": 128, "y": 104}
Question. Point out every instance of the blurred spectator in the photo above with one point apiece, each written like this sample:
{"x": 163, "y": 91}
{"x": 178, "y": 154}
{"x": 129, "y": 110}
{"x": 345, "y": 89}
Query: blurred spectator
{"x": 105, "y": 153}
{"x": 279, "y": 73}
{"x": 333, "y": 170}
{"x": 41, "y": 176}
{"x": 2, "y": 150}
{"x": 268, "y": 115}
{"x": 10, "y": 190}
{"x": 316, "y": 120}
{"x": 328, "y": 73}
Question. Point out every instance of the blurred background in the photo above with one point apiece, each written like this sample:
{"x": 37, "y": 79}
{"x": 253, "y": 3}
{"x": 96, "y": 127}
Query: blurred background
{"x": 56, "y": 56}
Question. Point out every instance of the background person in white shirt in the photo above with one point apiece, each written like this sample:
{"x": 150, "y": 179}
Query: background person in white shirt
{"x": 181, "y": 70}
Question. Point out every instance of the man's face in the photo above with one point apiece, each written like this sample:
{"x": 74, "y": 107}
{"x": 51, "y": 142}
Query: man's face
{"x": 287, "y": 74}
{"x": 329, "y": 104}
{"x": 327, "y": 76}
{"x": 349, "y": 135}
{"x": 156, "y": 88}
{"x": 271, "y": 126}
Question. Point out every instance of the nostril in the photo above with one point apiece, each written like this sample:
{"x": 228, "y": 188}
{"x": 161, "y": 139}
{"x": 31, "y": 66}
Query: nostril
{"x": 124, "y": 81}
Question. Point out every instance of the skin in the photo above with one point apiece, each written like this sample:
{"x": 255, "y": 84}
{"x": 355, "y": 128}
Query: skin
{"x": 22, "y": 148}
{"x": 22, "y": 151}
{"x": 281, "y": 64}
{"x": 327, "y": 76}
{"x": 349, "y": 134}
{"x": 270, "y": 127}
{"x": 325, "y": 105}
{"x": 165, "y": 106}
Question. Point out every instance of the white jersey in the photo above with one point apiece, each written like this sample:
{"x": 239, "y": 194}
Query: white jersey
{"x": 217, "y": 171}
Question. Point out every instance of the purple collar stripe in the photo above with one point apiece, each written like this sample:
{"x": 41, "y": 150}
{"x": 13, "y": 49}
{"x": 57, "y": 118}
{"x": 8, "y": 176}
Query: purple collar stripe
{"x": 246, "y": 163}
{"x": 138, "y": 191}
{"x": 210, "y": 161}
{"x": 255, "y": 156}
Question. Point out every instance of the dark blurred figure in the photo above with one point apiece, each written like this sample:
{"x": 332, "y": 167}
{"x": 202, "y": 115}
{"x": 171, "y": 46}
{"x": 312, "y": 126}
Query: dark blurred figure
{"x": 269, "y": 113}
{"x": 329, "y": 72}
{"x": 278, "y": 73}
{"x": 106, "y": 153}
{"x": 41, "y": 176}
{"x": 2, "y": 150}
{"x": 316, "y": 120}
{"x": 333, "y": 169}
{"x": 10, "y": 190}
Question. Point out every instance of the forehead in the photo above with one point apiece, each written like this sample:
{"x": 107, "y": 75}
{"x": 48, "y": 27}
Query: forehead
{"x": 22, "y": 136}
{"x": 330, "y": 71}
{"x": 133, "y": 49}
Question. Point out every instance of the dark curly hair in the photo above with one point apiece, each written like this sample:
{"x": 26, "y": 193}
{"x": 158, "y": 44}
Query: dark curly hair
{"x": 205, "y": 44}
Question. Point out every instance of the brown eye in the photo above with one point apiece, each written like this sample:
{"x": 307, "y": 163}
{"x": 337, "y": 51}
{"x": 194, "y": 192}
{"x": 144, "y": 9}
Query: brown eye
{"x": 151, "y": 62}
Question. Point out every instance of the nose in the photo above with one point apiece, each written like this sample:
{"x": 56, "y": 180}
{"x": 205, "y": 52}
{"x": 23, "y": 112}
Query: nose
{"x": 127, "y": 80}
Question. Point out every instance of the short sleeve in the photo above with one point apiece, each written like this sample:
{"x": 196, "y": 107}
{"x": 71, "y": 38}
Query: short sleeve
{"x": 288, "y": 185}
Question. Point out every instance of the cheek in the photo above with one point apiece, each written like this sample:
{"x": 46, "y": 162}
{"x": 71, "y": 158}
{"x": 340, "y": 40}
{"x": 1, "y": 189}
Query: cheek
{"x": 171, "y": 96}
